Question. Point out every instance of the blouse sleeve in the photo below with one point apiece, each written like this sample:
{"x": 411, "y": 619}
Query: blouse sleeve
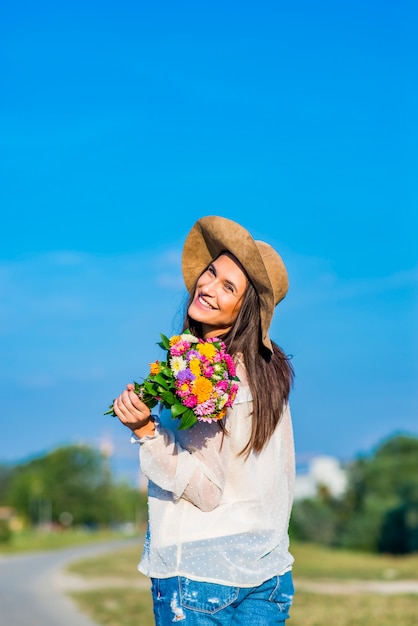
{"x": 190, "y": 465}
{"x": 289, "y": 453}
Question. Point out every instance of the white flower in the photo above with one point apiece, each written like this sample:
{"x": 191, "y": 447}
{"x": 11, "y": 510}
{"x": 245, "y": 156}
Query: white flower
{"x": 189, "y": 338}
{"x": 177, "y": 364}
{"x": 222, "y": 401}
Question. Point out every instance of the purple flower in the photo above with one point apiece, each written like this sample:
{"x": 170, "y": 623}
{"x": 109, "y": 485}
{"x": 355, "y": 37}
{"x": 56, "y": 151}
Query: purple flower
{"x": 185, "y": 376}
{"x": 193, "y": 354}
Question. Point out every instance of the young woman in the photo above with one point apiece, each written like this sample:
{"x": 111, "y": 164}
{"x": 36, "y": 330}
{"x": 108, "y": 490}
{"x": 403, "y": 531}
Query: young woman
{"x": 220, "y": 494}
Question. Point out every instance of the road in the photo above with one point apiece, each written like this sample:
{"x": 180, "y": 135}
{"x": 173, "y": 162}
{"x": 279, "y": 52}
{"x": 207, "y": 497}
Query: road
{"x": 32, "y": 586}
{"x": 29, "y": 594}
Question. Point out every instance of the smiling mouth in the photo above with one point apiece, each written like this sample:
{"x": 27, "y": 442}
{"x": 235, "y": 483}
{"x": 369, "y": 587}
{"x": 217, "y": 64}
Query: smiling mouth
{"x": 205, "y": 304}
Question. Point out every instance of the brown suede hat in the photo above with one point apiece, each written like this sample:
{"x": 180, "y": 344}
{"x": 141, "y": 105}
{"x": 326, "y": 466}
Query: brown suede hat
{"x": 212, "y": 235}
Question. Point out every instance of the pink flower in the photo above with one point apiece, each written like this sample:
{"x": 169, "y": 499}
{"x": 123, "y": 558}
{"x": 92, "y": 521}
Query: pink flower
{"x": 222, "y": 386}
{"x": 190, "y": 401}
{"x": 205, "y": 408}
{"x": 232, "y": 394}
{"x": 183, "y": 388}
{"x": 208, "y": 371}
{"x": 210, "y": 340}
{"x": 179, "y": 348}
{"x": 230, "y": 364}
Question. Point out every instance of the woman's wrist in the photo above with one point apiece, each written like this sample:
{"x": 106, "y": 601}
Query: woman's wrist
{"x": 145, "y": 430}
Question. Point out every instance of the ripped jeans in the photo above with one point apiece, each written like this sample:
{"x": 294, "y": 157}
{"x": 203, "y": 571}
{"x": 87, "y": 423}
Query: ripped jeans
{"x": 196, "y": 603}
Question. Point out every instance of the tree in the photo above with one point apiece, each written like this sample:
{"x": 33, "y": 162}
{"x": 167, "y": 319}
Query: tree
{"x": 381, "y": 503}
{"x": 5, "y": 477}
{"x": 71, "y": 480}
{"x": 315, "y": 520}
{"x": 379, "y": 510}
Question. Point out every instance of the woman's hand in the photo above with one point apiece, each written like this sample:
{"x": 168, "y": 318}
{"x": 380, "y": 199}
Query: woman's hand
{"x": 133, "y": 413}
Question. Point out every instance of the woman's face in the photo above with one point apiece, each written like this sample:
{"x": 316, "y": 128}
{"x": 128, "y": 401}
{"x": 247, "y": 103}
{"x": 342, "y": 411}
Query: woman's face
{"x": 218, "y": 296}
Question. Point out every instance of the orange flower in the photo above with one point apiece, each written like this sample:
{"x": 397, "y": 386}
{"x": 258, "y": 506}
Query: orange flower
{"x": 221, "y": 414}
{"x": 207, "y": 349}
{"x": 175, "y": 339}
{"x": 154, "y": 368}
{"x": 202, "y": 388}
{"x": 194, "y": 366}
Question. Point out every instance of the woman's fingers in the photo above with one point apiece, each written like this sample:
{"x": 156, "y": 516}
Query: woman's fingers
{"x": 130, "y": 409}
{"x": 137, "y": 402}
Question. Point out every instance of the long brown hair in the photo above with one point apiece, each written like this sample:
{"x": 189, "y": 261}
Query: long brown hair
{"x": 270, "y": 375}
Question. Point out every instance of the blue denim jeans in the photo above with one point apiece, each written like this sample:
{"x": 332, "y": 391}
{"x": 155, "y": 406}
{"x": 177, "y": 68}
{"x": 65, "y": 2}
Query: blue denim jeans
{"x": 197, "y": 603}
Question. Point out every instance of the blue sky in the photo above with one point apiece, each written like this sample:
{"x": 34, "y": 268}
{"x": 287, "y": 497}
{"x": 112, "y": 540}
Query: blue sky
{"x": 122, "y": 123}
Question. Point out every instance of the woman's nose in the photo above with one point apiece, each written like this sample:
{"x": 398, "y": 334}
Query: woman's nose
{"x": 209, "y": 284}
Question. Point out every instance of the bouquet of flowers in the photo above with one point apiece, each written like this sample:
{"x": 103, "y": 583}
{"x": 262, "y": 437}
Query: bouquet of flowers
{"x": 197, "y": 380}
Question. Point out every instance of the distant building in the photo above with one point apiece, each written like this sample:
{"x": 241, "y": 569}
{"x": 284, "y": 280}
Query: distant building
{"x": 322, "y": 471}
{"x": 10, "y": 517}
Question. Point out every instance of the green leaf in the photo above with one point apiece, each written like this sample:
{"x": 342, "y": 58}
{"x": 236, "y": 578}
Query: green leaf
{"x": 169, "y": 398}
{"x": 165, "y": 342}
{"x": 148, "y": 385}
{"x": 150, "y": 402}
{"x": 161, "y": 380}
{"x": 188, "y": 420}
{"x": 178, "y": 409}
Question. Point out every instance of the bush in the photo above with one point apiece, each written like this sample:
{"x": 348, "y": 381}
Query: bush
{"x": 5, "y": 531}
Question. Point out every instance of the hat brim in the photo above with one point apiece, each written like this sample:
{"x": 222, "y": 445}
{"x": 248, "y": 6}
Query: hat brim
{"x": 212, "y": 235}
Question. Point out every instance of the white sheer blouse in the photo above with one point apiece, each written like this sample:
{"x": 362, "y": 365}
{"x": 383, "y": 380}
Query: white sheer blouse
{"x": 214, "y": 515}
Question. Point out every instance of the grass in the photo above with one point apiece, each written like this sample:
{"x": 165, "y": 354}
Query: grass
{"x": 38, "y": 540}
{"x": 130, "y": 607}
{"x": 130, "y": 604}
{"x": 316, "y": 562}
{"x": 351, "y": 610}
{"x": 119, "y": 564}
{"x": 117, "y": 607}
{"x": 311, "y": 561}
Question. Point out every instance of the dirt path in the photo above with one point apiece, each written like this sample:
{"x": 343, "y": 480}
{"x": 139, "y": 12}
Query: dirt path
{"x": 347, "y": 587}
{"x": 67, "y": 582}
